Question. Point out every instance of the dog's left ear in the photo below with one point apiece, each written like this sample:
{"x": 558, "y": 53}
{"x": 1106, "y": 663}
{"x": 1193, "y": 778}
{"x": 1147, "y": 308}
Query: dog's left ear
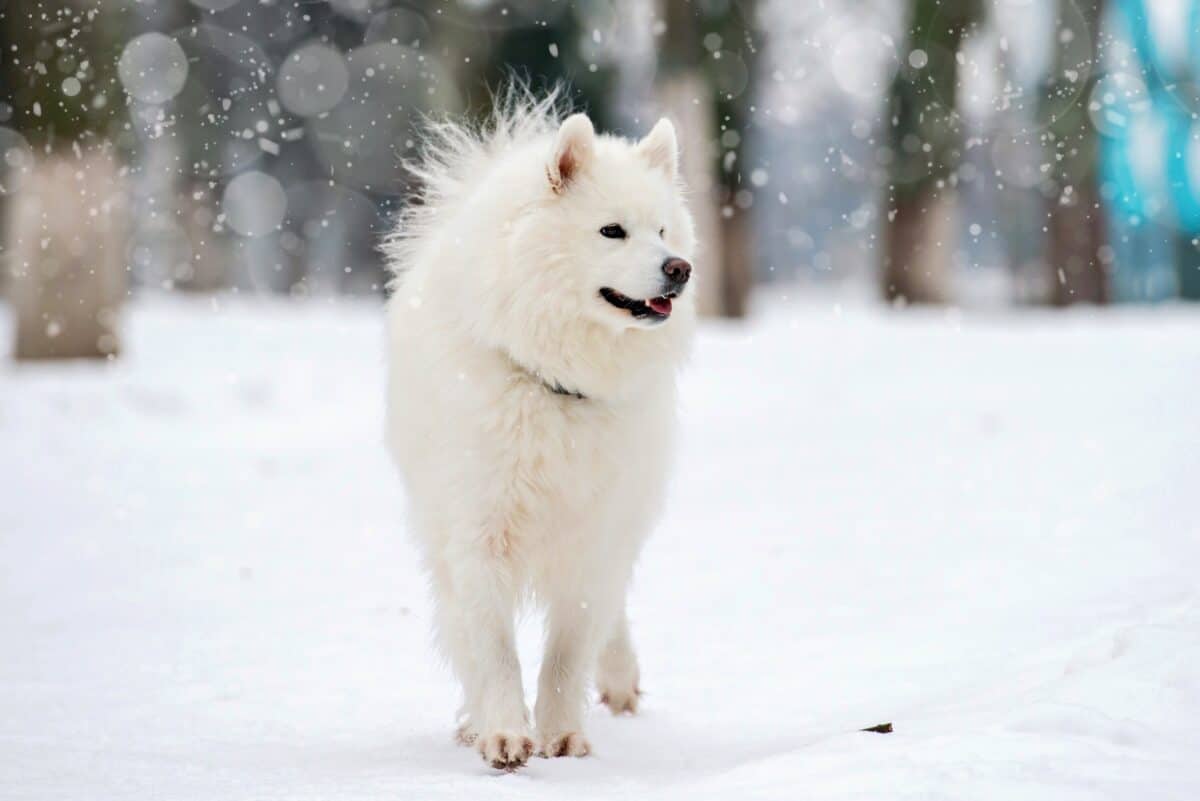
{"x": 660, "y": 147}
{"x": 573, "y": 148}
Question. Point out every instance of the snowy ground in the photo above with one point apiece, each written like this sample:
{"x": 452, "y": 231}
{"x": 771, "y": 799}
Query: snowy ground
{"x": 983, "y": 528}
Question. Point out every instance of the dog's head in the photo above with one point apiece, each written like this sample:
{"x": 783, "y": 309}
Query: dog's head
{"x": 591, "y": 282}
{"x": 624, "y": 223}
{"x": 612, "y": 228}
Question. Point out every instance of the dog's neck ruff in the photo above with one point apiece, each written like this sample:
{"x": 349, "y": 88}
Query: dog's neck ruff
{"x": 550, "y": 386}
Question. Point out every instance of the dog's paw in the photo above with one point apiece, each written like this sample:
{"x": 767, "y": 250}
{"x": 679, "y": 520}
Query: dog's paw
{"x": 621, "y": 702}
{"x": 465, "y": 735}
{"x": 504, "y": 750}
{"x": 569, "y": 744}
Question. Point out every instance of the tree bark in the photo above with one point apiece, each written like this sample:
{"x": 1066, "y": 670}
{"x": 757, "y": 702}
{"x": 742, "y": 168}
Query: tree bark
{"x": 1076, "y": 235}
{"x": 1076, "y": 220}
{"x": 925, "y": 137}
{"x": 737, "y": 263}
{"x": 66, "y": 234}
{"x": 693, "y": 95}
{"x": 919, "y": 241}
{"x": 1188, "y": 265}
{"x": 693, "y": 123}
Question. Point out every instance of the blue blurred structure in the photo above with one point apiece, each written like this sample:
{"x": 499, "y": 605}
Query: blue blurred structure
{"x": 1148, "y": 160}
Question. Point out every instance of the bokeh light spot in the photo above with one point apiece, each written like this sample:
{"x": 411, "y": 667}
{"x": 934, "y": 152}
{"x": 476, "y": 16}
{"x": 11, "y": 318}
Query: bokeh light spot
{"x": 153, "y": 68}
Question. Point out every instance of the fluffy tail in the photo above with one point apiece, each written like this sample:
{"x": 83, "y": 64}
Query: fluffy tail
{"x": 451, "y": 152}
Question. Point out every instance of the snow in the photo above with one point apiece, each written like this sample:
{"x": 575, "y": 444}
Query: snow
{"x": 981, "y": 527}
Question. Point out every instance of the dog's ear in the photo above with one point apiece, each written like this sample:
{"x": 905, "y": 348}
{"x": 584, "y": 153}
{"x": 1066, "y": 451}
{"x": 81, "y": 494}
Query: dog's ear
{"x": 573, "y": 148}
{"x": 660, "y": 147}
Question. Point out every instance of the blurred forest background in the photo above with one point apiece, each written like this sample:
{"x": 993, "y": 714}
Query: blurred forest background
{"x": 967, "y": 152}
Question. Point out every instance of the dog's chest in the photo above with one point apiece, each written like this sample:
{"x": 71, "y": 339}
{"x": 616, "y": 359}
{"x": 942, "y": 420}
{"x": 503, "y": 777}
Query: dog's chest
{"x": 559, "y": 457}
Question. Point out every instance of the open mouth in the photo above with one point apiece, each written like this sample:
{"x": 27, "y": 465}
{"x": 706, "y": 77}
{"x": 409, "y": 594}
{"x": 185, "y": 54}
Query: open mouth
{"x": 656, "y": 309}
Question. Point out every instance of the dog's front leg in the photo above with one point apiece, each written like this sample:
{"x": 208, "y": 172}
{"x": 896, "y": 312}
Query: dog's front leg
{"x": 575, "y": 625}
{"x": 475, "y": 606}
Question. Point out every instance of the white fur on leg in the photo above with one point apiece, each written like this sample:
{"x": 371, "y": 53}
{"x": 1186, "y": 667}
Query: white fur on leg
{"x": 575, "y": 632}
{"x": 617, "y": 672}
{"x": 475, "y": 628}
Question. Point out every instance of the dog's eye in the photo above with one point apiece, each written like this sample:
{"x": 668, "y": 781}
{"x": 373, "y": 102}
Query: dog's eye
{"x": 662, "y": 232}
{"x": 613, "y": 231}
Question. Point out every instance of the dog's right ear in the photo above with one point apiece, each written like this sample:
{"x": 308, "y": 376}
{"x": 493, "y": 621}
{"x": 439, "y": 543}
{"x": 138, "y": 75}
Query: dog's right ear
{"x": 573, "y": 148}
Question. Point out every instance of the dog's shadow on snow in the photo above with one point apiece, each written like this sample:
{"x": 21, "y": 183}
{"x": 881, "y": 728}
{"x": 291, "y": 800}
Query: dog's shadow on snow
{"x": 647, "y": 747}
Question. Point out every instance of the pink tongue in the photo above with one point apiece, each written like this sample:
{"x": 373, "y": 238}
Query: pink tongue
{"x": 660, "y": 305}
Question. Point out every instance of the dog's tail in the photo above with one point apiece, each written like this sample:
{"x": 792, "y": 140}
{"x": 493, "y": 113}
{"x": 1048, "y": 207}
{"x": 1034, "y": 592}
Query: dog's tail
{"x": 451, "y": 152}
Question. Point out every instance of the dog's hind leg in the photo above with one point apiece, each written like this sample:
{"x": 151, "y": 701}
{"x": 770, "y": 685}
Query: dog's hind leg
{"x": 474, "y": 614}
{"x": 617, "y": 670}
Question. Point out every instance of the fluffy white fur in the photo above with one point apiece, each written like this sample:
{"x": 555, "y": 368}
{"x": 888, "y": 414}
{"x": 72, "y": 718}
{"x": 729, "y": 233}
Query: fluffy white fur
{"x": 519, "y": 493}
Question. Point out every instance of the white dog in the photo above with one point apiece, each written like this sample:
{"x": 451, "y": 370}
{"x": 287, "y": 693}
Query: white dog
{"x": 541, "y": 307}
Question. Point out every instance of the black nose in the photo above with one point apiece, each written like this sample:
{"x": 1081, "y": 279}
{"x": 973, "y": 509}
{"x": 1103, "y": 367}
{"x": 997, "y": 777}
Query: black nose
{"x": 677, "y": 270}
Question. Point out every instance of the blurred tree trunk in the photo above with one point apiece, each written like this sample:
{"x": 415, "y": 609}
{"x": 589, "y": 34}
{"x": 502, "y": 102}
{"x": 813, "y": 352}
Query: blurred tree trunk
{"x": 693, "y": 122}
{"x": 920, "y": 241}
{"x": 66, "y": 238}
{"x": 66, "y": 227}
{"x": 208, "y": 260}
{"x": 738, "y": 255}
{"x": 1076, "y": 221}
{"x": 685, "y": 97}
{"x": 189, "y": 254}
{"x": 736, "y": 27}
{"x": 707, "y": 96}
{"x": 1020, "y": 217}
{"x": 1188, "y": 265}
{"x": 925, "y": 137}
